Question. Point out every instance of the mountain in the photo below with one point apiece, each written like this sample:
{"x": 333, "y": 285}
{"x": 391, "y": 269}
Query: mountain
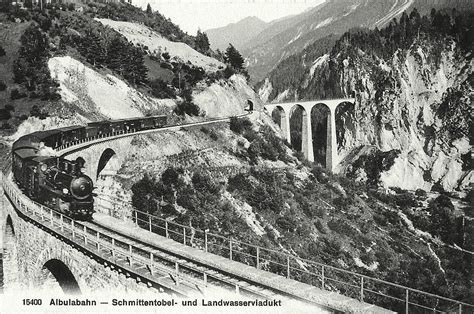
{"x": 289, "y": 36}
{"x": 413, "y": 81}
{"x": 235, "y": 33}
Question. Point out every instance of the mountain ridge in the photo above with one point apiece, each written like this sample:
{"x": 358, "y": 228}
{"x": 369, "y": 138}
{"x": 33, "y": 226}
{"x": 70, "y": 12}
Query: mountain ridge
{"x": 267, "y": 49}
{"x": 237, "y": 33}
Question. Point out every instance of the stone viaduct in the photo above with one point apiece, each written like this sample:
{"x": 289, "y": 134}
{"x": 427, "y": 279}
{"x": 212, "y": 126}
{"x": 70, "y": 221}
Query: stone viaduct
{"x": 287, "y": 109}
{"x": 38, "y": 258}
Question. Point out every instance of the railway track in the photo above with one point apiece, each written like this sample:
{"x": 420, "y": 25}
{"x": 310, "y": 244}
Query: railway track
{"x": 180, "y": 271}
{"x": 153, "y": 266}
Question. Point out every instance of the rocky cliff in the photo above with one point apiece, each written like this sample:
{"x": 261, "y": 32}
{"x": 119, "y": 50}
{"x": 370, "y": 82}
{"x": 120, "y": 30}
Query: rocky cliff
{"x": 413, "y": 85}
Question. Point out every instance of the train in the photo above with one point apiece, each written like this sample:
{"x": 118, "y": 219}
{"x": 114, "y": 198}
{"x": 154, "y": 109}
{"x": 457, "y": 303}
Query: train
{"x": 58, "y": 182}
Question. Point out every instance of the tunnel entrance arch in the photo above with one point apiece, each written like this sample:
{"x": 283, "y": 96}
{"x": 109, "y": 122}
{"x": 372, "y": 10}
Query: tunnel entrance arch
{"x": 56, "y": 273}
{"x": 108, "y": 161}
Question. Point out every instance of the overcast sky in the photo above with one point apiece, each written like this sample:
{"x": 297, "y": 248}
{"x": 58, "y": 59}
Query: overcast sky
{"x": 205, "y": 14}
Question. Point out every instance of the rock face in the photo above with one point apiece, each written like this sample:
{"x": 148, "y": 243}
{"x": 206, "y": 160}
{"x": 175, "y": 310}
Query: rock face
{"x": 224, "y": 99}
{"x": 416, "y": 104}
{"x": 409, "y": 118}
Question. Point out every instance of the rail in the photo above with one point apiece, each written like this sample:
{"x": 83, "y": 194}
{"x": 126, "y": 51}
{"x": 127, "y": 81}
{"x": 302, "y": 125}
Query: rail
{"x": 351, "y": 284}
{"x": 133, "y": 257}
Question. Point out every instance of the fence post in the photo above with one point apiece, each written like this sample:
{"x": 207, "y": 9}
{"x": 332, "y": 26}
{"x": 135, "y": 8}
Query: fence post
{"x": 322, "y": 276}
{"x": 230, "y": 249}
{"x": 136, "y": 218}
{"x": 151, "y": 263}
{"x": 258, "y": 257}
{"x": 184, "y": 235}
{"x": 130, "y": 252}
{"x": 85, "y": 235}
{"x": 52, "y": 223}
{"x": 62, "y": 227}
{"x": 288, "y": 266}
{"x": 460, "y": 309}
{"x": 72, "y": 228}
{"x": 176, "y": 267}
{"x": 166, "y": 229}
{"x": 361, "y": 289}
{"x": 113, "y": 248}
{"x": 406, "y": 301}
{"x": 149, "y": 222}
{"x": 205, "y": 240}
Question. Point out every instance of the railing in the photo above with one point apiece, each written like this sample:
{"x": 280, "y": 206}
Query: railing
{"x": 351, "y": 284}
{"x": 364, "y": 288}
{"x": 289, "y": 101}
{"x": 136, "y": 257}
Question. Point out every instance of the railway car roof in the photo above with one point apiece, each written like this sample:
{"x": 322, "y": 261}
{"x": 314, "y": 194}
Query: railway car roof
{"x": 33, "y": 139}
{"x": 25, "y": 153}
{"x": 125, "y": 120}
{"x": 70, "y": 128}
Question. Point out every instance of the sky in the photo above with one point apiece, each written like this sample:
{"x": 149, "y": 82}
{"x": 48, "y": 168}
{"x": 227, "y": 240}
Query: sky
{"x": 192, "y": 15}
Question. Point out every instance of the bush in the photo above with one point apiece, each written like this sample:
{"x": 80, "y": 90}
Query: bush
{"x": 3, "y": 86}
{"x": 420, "y": 193}
{"x": 15, "y": 94}
{"x": 2, "y": 51}
{"x": 187, "y": 107}
{"x": 37, "y": 112}
{"x": 160, "y": 89}
{"x": 5, "y": 114}
{"x": 240, "y": 125}
{"x": 214, "y": 135}
{"x": 287, "y": 223}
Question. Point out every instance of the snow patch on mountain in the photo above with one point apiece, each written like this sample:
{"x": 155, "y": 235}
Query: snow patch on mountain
{"x": 394, "y": 11}
{"x": 141, "y": 34}
{"x": 352, "y": 8}
{"x": 324, "y": 22}
{"x": 317, "y": 63}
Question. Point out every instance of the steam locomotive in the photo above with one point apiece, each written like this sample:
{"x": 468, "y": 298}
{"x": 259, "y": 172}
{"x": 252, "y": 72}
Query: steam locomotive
{"x": 57, "y": 182}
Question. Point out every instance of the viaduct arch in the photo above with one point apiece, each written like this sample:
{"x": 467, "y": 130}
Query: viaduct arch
{"x": 63, "y": 276}
{"x": 287, "y": 109}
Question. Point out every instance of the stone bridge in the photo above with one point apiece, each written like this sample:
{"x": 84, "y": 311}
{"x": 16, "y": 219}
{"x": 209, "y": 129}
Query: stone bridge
{"x": 287, "y": 109}
{"x": 37, "y": 258}
{"x": 102, "y": 157}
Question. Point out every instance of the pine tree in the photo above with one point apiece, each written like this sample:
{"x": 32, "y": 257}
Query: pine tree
{"x": 202, "y": 42}
{"x": 234, "y": 58}
{"x": 149, "y": 11}
{"x": 116, "y": 57}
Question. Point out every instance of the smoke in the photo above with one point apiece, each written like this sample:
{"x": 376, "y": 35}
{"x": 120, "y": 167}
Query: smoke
{"x": 46, "y": 151}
